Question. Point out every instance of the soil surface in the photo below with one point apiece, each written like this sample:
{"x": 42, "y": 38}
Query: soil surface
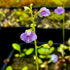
{"x": 19, "y": 63}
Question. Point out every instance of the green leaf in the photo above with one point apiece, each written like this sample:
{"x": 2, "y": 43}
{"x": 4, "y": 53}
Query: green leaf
{"x": 69, "y": 48}
{"x": 25, "y": 68}
{"x": 45, "y": 46}
{"x": 43, "y": 65}
{"x": 9, "y": 68}
{"x": 40, "y": 61}
{"x": 42, "y": 56}
{"x": 66, "y": 57}
{"x": 16, "y": 46}
{"x": 29, "y": 51}
{"x": 50, "y": 42}
{"x": 24, "y": 50}
{"x": 43, "y": 51}
{"x": 49, "y": 61}
{"x": 32, "y": 25}
{"x": 56, "y": 17}
{"x": 68, "y": 41}
{"x": 60, "y": 48}
{"x": 18, "y": 13}
{"x": 51, "y": 50}
{"x": 48, "y": 56}
{"x": 21, "y": 18}
{"x": 22, "y": 55}
{"x": 65, "y": 47}
{"x": 17, "y": 55}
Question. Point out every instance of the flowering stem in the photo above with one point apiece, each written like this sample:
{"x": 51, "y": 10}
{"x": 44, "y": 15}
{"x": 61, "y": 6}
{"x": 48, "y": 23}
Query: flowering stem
{"x": 36, "y": 54}
{"x": 35, "y": 43}
{"x": 63, "y": 28}
{"x": 63, "y": 31}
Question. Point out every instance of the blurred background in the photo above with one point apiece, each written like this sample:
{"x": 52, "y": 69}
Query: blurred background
{"x": 37, "y": 3}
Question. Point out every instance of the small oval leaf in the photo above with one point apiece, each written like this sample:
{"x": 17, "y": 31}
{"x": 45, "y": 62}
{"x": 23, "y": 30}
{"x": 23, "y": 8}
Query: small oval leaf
{"x": 43, "y": 51}
{"x": 22, "y": 55}
{"x": 68, "y": 42}
{"x": 16, "y": 46}
{"x": 46, "y": 46}
{"x": 29, "y": 51}
{"x": 25, "y": 68}
{"x": 9, "y": 68}
{"x": 51, "y": 50}
{"x": 50, "y": 42}
{"x": 24, "y": 50}
{"x": 17, "y": 55}
{"x": 42, "y": 56}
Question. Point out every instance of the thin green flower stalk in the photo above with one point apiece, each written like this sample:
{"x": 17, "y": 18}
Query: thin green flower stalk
{"x": 35, "y": 43}
{"x": 63, "y": 31}
{"x": 43, "y": 12}
{"x": 64, "y": 25}
{"x": 59, "y": 11}
{"x": 64, "y": 28}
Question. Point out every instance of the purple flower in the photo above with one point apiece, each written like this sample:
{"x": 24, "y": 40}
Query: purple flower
{"x": 28, "y": 36}
{"x": 59, "y": 10}
{"x": 54, "y": 58}
{"x": 44, "y": 12}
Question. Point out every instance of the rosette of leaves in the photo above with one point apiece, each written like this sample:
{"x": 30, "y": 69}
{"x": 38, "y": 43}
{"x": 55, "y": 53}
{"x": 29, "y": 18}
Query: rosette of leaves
{"x": 46, "y": 50}
{"x": 61, "y": 49}
{"x": 45, "y": 53}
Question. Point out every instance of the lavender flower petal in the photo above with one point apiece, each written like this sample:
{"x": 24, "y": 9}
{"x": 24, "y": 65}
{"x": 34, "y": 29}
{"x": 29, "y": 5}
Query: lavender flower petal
{"x": 54, "y": 58}
{"x": 44, "y": 12}
{"x": 28, "y": 37}
{"x": 59, "y": 10}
